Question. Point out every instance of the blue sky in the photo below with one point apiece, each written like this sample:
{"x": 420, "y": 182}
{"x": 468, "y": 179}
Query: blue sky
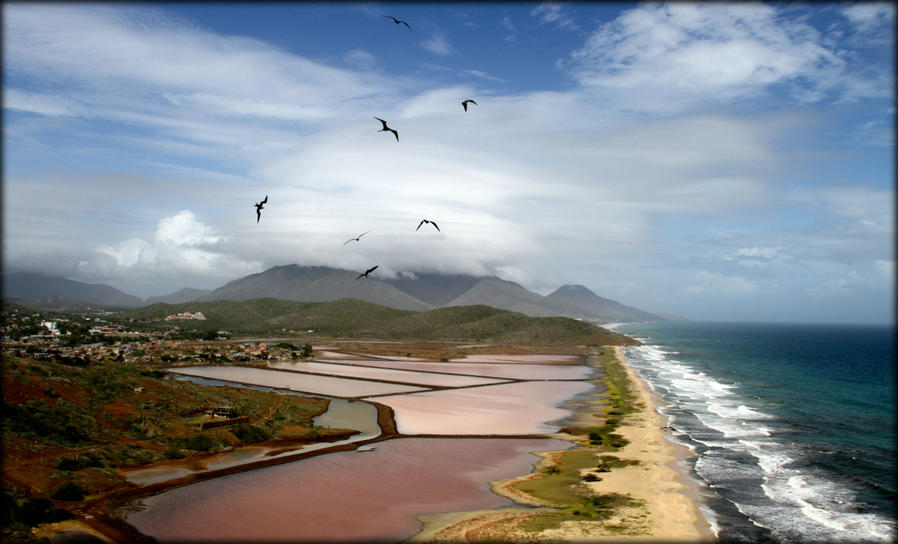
{"x": 717, "y": 161}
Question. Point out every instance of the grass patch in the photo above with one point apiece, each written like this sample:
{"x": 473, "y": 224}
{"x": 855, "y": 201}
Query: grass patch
{"x": 560, "y": 485}
{"x": 620, "y": 402}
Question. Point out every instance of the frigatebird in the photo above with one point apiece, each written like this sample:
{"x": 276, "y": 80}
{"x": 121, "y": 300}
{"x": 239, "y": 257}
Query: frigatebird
{"x": 356, "y": 238}
{"x": 465, "y": 103}
{"x": 259, "y": 206}
{"x": 386, "y": 128}
{"x": 397, "y": 21}
{"x": 370, "y": 270}
{"x": 426, "y": 221}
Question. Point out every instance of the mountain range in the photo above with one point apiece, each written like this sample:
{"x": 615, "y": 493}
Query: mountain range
{"x": 422, "y": 292}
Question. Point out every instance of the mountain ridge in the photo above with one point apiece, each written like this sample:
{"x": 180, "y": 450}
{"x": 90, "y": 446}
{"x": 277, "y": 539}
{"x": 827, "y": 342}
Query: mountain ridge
{"x": 298, "y": 283}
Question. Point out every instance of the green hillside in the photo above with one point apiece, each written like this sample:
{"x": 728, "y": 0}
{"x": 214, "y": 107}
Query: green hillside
{"x": 350, "y": 318}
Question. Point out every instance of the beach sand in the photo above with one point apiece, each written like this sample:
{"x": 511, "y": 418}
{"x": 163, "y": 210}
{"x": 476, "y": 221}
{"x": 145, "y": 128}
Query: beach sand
{"x": 671, "y": 512}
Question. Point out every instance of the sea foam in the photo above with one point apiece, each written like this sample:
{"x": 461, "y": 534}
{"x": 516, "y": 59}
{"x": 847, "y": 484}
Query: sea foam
{"x": 740, "y": 457}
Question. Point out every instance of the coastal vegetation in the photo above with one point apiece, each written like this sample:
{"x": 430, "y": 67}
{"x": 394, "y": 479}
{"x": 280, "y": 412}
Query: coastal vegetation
{"x": 560, "y": 482}
{"x": 69, "y": 431}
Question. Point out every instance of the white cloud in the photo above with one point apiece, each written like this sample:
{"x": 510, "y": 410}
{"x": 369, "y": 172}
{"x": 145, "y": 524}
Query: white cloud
{"x": 175, "y": 81}
{"x": 666, "y": 57}
{"x": 360, "y": 59}
{"x": 181, "y": 244}
{"x": 865, "y": 16}
{"x": 44, "y": 104}
{"x": 508, "y": 25}
{"x": 758, "y": 256}
{"x": 553, "y": 13}
{"x": 481, "y": 74}
{"x": 130, "y": 252}
{"x": 438, "y": 45}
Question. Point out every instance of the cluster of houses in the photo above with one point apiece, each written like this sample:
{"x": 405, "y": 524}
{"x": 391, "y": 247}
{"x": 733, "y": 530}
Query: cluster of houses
{"x": 185, "y": 316}
{"x": 151, "y": 351}
{"x": 121, "y": 344}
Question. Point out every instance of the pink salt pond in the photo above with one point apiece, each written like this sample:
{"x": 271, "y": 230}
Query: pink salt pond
{"x": 504, "y": 409}
{"x": 369, "y": 373}
{"x": 346, "y": 496}
{"x": 493, "y": 370}
{"x": 309, "y": 383}
{"x": 525, "y": 359}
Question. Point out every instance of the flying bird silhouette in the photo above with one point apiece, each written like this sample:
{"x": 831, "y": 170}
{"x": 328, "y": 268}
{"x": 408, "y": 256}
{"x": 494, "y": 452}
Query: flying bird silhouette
{"x": 465, "y": 103}
{"x": 397, "y": 21}
{"x": 356, "y": 238}
{"x": 387, "y": 129}
{"x": 426, "y": 221}
{"x": 370, "y": 270}
{"x": 259, "y": 207}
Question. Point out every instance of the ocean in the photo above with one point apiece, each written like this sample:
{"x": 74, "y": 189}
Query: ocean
{"x": 792, "y": 426}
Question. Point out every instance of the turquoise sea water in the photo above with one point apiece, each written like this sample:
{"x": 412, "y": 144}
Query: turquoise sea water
{"x": 792, "y": 426}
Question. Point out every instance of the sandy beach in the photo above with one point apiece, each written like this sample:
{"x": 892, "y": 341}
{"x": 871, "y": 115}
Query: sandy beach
{"x": 670, "y": 512}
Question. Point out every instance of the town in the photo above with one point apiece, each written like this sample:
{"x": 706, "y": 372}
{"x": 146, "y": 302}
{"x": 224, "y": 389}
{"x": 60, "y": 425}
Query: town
{"x": 88, "y": 335}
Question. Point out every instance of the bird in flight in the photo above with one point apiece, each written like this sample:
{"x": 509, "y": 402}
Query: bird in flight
{"x": 259, "y": 206}
{"x": 386, "y": 128}
{"x": 465, "y": 103}
{"x": 356, "y": 238}
{"x": 398, "y": 22}
{"x": 426, "y": 221}
{"x": 370, "y": 270}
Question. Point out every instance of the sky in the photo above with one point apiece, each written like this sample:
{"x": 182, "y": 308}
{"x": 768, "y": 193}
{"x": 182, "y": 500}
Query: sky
{"x": 714, "y": 161}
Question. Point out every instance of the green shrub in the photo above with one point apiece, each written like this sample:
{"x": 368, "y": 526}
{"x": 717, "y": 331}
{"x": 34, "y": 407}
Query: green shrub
{"x": 173, "y": 453}
{"x": 68, "y": 463}
{"x": 22, "y": 510}
{"x": 131, "y": 456}
{"x": 250, "y": 434}
{"x": 69, "y": 491}
{"x": 200, "y": 442}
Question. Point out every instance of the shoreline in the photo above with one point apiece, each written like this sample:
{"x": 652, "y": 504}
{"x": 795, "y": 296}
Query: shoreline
{"x": 672, "y": 506}
{"x": 677, "y": 507}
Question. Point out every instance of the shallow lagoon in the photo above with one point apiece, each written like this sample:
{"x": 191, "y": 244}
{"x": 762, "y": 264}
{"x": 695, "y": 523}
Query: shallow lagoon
{"x": 504, "y": 409}
{"x": 397, "y": 375}
{"x": 344, "y": 496}
{"x": 310, "y": 383}
{"x": 520, "y": 359}
{"x": 512, "y": 371}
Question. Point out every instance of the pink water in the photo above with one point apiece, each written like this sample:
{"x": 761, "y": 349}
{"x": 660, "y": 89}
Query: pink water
{"x": 371, "y": 496}
{"x": 397, "y": 375}
{"x": 309, "y": 383}
{"x": 531, "y": 359}
{"x": 495, "y": 370}
{"x": 505, "y": 409}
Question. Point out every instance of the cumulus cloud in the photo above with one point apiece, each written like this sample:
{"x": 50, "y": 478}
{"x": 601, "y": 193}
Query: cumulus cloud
{"x": 182, "y": 246}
